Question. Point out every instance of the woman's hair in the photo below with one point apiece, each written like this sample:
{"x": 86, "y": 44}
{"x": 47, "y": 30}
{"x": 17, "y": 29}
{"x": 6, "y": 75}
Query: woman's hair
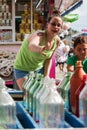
{"x": 79, "y": 40}
{"x": 55, "y": 13}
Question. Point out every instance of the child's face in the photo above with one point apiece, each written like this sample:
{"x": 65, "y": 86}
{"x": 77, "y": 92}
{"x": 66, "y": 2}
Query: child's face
{"x": 81, "y": 51}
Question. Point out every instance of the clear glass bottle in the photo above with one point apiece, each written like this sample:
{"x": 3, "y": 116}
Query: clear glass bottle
{"x": 64, "y": 88}
{"x": 63, "y": 83}
{"x": 34, "y": 99}
{"x": 83, "y": 105}
{"x": 32, "y": 90}
{"x": 7, "y": 108}
{"x": 51, "y": 112}
{"x": 77, "y": 93}
{"x": 32, "y": 82}
{"x": 39, "y": 94}
{"x": 66, "y": 96}
{"x": 29, "y": 79}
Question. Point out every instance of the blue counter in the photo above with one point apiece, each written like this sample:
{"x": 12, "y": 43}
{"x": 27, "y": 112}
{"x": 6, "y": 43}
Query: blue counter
{"x": 27, "y": 121}
{"x": 24, "y": 120}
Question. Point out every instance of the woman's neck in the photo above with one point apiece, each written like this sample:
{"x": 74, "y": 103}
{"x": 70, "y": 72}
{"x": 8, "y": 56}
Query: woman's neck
{"x": 49, "y": 38}
{"x": 49, "y": 41}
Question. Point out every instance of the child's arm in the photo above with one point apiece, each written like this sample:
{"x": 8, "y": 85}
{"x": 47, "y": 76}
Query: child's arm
{"x": 70, "y": 68}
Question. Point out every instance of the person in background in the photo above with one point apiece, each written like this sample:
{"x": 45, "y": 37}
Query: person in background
{"x": 61, "y": 55}
{"x": 35, "y": 53}
{"x": 80, "y": 53}
{"x": 65, "y": 28}
{"x": 70, "y": 53}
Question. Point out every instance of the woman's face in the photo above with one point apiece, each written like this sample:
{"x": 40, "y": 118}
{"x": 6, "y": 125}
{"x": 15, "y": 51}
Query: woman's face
{"x": 81, "y": 51}
{"x": 55, "y": 25}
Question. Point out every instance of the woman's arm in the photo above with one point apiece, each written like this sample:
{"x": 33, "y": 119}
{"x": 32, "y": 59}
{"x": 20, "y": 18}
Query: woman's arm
{"x": 47, "y": 67}
{"x": 34, "y": 43}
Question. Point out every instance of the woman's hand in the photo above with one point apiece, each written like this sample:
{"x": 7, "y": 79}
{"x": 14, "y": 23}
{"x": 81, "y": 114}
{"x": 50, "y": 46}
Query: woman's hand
{"x": 34, "y": 43}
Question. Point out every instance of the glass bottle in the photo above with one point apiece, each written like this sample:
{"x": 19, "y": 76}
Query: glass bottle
{"x": 75, "y": 82}
{"x": 32, "y": 82}
{"x": 7, "y": 108}
{"x": 32, "y": 90}
{"x": 51, "y": 108}
{"x": 77, "y": 93}
{"x": 39, "y": 94}
{"x": 64, "y": 89}
{"x": 63, "y": 82}
{"x": 29, "y": 79}
{"x": 83, "y": 105}
{"x": 66, "y": 96}
{"x": 34, "y": 99}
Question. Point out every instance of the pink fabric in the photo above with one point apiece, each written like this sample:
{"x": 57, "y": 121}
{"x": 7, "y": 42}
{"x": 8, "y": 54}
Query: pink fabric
{"x": 53, "y": 68}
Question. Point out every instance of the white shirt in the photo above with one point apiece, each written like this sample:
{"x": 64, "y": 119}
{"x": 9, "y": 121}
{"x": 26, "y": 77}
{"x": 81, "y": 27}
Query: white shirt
{"x": 60, "y": 55}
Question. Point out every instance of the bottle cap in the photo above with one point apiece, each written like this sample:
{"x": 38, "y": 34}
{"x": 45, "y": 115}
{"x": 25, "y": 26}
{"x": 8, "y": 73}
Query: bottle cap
{"x": 79, "y": 63}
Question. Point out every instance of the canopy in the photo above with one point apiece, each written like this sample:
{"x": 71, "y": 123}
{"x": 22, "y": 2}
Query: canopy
{"x": 66, "y": 6}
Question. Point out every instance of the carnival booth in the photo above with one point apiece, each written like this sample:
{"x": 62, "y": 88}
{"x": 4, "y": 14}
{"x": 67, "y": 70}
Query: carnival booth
{"x": 19, "y": 18}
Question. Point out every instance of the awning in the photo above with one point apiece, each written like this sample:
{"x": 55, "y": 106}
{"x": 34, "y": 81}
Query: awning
{"x": 66, "y": 6}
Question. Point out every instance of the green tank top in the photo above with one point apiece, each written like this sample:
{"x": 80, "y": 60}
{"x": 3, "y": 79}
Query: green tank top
{"x": 31, "y": 61}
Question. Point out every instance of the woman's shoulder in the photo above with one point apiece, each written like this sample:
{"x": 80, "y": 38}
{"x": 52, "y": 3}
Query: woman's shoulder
{"x": 40, "y": 32}
{"x": 36, "y": 34}
{"x": 57, "y": 39}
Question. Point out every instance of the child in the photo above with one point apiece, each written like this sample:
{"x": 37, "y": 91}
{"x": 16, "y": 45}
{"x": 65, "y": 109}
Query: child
{"x": 61, "y": 55}
{"x": 80, "y": 53}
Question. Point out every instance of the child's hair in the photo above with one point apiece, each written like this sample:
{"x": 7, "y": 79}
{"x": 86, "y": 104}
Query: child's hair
{"x": 55, "y": 13}
{"x": 79, "y": 40}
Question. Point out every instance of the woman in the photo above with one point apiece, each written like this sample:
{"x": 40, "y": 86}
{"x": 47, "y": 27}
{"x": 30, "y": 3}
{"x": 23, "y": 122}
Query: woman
{"x": 36, "y": 51}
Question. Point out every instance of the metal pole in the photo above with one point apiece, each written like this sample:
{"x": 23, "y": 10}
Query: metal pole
{"x": 31, "y": 15}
